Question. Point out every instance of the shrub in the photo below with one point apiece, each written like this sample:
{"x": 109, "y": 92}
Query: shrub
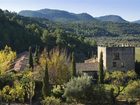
{"x": 58, "y": 91}
{"x": 79, "y": 89}
{"x": 131, "y": 74}
{"x": 51, "y": 101}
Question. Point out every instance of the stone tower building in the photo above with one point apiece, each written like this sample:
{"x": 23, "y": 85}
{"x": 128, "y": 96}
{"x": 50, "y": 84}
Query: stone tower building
{"x": 118, "y": 58}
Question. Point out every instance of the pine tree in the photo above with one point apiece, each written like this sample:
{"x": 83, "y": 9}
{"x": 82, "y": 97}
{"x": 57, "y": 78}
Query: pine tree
{"x": 73, "y": 65}
{"x": 101, "y": 71}
{"x": 45, "y": 82}
{"x": 31, "y": 65}
{"x": 36, "y": 55}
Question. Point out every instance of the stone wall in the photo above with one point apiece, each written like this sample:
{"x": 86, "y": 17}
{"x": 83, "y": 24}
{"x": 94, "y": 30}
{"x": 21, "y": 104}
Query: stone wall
{"x": 118, "y": 58}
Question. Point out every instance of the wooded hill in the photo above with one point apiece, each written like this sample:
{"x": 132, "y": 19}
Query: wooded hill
{"x": 85, "y": 24}
{"x": 20, "y": 32}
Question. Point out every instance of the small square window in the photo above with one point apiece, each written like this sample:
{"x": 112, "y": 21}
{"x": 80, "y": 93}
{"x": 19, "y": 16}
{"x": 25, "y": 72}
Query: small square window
{"x": 116, "y": 56}
{"x": 114, "y": 64}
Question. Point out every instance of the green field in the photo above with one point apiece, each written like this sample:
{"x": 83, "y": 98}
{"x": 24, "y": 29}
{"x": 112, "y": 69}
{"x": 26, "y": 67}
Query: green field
{"x": 137, "y": 53}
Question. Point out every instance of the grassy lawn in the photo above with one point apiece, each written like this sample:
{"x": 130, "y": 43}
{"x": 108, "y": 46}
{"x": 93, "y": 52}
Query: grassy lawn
{"x": 137, "y": 53}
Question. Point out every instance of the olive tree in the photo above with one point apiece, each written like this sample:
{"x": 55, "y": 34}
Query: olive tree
{"x": 133, "y": 90}
{"x": 79, "y": 88}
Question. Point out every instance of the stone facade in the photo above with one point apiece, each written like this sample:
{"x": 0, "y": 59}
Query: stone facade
{"x": 88, "y": 69}
{"x": 118, "y": 58}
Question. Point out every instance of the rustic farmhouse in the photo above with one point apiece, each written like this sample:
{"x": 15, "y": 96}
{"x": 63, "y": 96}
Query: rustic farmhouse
{"x": 118, "y": 58}
{"x": 114, "y": 58}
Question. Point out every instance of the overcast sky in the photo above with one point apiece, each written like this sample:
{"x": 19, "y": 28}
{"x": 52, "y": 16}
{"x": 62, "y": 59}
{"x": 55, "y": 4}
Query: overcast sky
{"x": 127, "y": 9}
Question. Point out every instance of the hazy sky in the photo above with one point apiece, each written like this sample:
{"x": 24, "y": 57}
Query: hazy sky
{"x": 128, "y": 9}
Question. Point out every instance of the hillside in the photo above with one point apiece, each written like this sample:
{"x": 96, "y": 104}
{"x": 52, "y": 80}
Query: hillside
{"x": 84, "y": 24}
{"x": 137, "y": 21}
{"x": 64, "y": 16}
{"x": 57, "y": 15}
{"x": 21, "y": 32}
{"x": 112, "y": 18}
{"x": 14, "y": 34}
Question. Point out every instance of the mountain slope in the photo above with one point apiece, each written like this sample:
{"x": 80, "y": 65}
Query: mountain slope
{"x": 86, "y": 25}
{"x": 112, "y": 18}
{"x": 57, "y": 15}
{"x": 137, "y": 21}
{"x": 15, "y": 35}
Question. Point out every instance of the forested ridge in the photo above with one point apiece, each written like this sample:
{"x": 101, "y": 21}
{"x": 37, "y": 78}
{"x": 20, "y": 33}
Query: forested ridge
{"x": 85, "y": 24}
{"x": 20, "y": 32}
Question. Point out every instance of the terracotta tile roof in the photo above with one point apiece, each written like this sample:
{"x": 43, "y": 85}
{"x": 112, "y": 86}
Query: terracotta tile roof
{"x": 21, "y": 62}
{"x": 80, "y": 67}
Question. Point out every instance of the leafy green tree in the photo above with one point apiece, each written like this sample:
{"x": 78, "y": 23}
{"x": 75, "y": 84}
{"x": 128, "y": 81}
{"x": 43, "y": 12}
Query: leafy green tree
{"x": 7, "y": 57}
{"x": 101, "y": 71}
{"x": 118, "y": 82}
{"x": 19, "y": 91}
{"x": 48, "y": 39}
{"x": 31, "y": 65}
{"x": 45, "y": 36}
{"x": 8, "y": 94}
{"x": 45, "y": 87}
{"x": 73, "y": 65}
{"x": 28, "y": 85}
{"x": 60, "y": 40}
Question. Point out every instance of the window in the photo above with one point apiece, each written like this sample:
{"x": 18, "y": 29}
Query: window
{"x": 114, "y": 64}
{"x": 122, "y": 64}
{"x": 116, "y": 56}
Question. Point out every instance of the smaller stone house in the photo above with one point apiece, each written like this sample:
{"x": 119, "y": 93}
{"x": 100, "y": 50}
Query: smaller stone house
{"x": 87, "y": 68}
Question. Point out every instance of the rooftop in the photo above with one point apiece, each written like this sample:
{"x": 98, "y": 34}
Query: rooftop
{"x": 80, "y": 67}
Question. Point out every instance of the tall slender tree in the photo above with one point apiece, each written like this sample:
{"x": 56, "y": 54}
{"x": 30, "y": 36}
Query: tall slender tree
{"x": 36, "y": 55}
{"x": 31, "y": 64}
{"x": 45, "y": 82}
{"x": 101, "y": 71}
{"x": 73, "y": 65}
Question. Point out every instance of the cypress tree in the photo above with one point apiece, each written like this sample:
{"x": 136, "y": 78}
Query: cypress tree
{"x": 31, "y": 65}
{"x": 73, "y": 65}
{"x": 36, "y": 55}
{"x": 101, "y": 71}
{"x": 45, "y": 82}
